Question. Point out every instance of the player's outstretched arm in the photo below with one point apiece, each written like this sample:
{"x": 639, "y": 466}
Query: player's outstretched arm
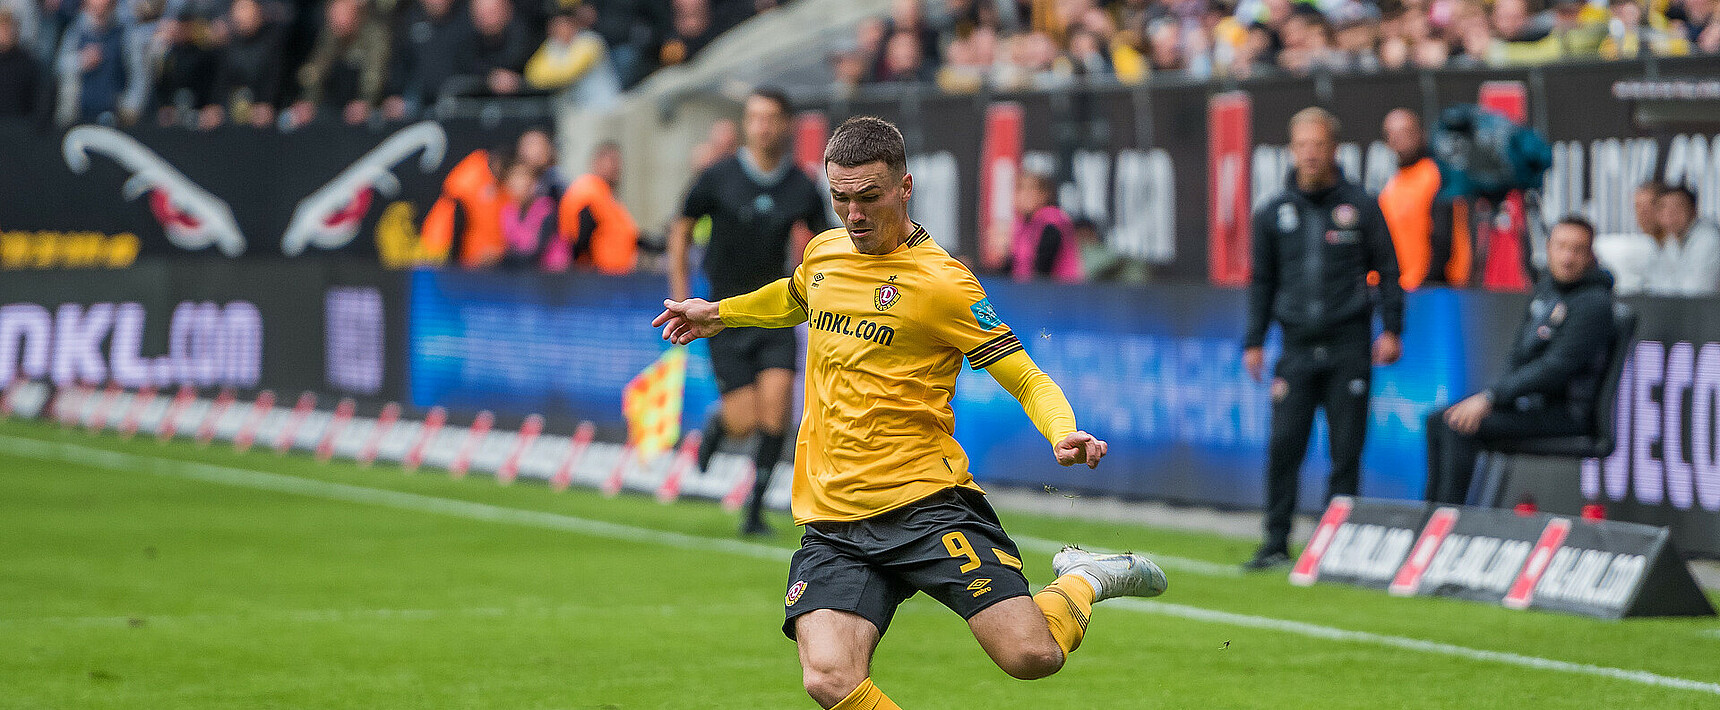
{"x": 686, "y": 321}
{"x": 1045, "y": 404}
{"x": 775, "y": 305}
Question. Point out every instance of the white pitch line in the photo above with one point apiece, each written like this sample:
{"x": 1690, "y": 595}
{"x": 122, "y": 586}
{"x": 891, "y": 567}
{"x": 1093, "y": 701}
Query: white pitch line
{"x": 1411, "y": 644}
{"x": 260, "y": 480}
{"x": 1172, "y": 562}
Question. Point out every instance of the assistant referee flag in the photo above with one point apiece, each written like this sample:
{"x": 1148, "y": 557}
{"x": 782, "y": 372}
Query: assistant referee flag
{"x": 652, "y": 404}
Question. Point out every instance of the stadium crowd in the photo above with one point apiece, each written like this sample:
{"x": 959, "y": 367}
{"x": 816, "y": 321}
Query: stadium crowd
{"x": 964, "y": 45}
{"x": 261, "y": 62}
{"x": 265, "y": 62}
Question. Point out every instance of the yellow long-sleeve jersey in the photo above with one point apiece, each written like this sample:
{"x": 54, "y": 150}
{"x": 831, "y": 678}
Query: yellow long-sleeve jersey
{"x": 888, "y": 336}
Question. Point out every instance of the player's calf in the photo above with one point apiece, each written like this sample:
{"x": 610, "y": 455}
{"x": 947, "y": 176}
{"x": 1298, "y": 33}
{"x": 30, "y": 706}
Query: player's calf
{"x": 1014, "y": 633}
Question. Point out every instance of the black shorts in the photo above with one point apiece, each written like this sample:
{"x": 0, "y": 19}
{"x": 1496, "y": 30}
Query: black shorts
{"x": 948, "y": 545}
{"x": 739, "y": 354}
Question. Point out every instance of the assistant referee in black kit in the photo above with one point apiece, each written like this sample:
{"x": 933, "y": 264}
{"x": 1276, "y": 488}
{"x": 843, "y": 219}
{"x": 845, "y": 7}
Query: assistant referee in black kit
{"x": 754, "y": 198}
{"x": 1314, "y": 244}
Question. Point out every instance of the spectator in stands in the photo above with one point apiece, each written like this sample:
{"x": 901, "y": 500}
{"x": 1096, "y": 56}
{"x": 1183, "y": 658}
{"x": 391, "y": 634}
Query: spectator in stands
{"x": 1087, "y": 56}
{"x": 597, "y": 231}
{"x": 1687, "y": 260}
{"x": 1574, "y": 33}
{"x": 26, "y": 24}
{"x": 1512, "y": 22}
{"x": 528, "y": 216}
{"x": 19, "y": 74}
{"x": 491, "y": 58}
{"x": 1164, "y": 47}
{"x": 1477, "y": 47}
{"x": 1633, "y": 257}
{"x": 535, "y": 150}
{"x": 1554, "y": 375}
{"x": 102, "y": 76}
{"x": 691, "y": 31}
{"x": 1308, "y": 43}
{"x": 904, "y": 60}
{"x": 1027, "y": 64}
{"x": 1631, "y": 31}
{"x": 1430, "y": 52}
{"x": 247, "y": 70}
{"x": 1358, "y": 32}
{"x": 908, "y": 17}
{"x": 1258, "y": 55}
{"x": 348, "y": 68}
{"x": 635, "y": 31}
{"x": 1697, "y": 17}
{"x": 1421, "y": 224}
{"x": 574, "y": 63}
{"x": 1043, "y": 244}
{"x": 428, "y": 41}
{"x": 465, "y": 224}
{"x": 192, "y": 33}
{"x": 1123, "y": 55}
{"x": 869, "y": 36}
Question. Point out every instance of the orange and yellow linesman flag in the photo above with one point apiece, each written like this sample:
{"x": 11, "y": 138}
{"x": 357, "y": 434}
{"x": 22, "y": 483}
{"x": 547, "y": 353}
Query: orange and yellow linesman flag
{"x": 652, "y": 404}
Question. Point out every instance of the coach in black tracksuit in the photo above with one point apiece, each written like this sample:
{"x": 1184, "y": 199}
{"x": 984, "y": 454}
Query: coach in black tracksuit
{"x": 1314, "y": 245}
{"x": 1554, "y": 376}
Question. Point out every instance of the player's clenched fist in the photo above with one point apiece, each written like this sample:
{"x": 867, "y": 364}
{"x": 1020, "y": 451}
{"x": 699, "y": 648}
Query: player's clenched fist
{"x": 686, "y": 321}
{"x": 1080, "y": 447}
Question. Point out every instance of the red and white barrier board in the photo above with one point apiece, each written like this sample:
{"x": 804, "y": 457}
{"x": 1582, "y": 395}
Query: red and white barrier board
{"x": 1603, "y": 568}
{"x": 389, "y": 435}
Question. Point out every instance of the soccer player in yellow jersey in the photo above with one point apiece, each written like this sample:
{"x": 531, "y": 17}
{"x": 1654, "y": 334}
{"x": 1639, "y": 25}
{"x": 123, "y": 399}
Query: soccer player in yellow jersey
{"x": 882, "y": 487}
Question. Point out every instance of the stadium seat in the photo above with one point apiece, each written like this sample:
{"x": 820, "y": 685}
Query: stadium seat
{"x": 1493, "y": 466}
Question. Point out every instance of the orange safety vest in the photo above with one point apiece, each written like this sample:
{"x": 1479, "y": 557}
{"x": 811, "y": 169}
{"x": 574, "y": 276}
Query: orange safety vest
{"x": 1408, "y": 203}
{"x": 472, "y": 189}
{"x": 615, "y": 243}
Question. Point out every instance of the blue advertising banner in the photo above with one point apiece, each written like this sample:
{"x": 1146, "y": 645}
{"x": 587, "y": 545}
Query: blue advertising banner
{"x": 1155, "y": 370}
{"x": 561, "y": 346}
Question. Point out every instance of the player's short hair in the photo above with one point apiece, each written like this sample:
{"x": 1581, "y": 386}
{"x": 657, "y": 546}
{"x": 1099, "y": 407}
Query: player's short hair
{"x": 867, "y": 139}
{"x": 1655, "y": 186}
{"x": 775, "y": 96}
{"x": 1315, "y": 114}
{"x": 1580, "y": 222}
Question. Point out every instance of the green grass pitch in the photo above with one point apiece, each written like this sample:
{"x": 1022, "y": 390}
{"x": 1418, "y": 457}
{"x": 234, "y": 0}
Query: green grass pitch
{"x": 139, "y": 575}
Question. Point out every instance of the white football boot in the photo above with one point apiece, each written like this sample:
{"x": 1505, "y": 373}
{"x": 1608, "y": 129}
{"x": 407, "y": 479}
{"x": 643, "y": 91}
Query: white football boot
{"x": 1122, "y": 575}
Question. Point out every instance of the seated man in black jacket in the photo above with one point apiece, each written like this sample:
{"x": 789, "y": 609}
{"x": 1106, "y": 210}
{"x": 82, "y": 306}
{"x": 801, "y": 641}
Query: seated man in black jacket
{"x": 1553, "y": 380}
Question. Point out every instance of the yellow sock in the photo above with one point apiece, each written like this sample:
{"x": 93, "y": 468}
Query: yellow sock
{"x": 866, "y": 697}
{"x": 1067, "y": 603}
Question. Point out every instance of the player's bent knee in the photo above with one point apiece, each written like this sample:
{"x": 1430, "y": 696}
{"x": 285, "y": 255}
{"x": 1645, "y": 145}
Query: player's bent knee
{"x": 830, "y": 687}
{"x": 1033, "y": 663}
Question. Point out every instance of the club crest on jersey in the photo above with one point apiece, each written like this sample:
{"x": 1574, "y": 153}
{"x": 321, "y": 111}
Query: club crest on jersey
{"x": 983, "y": 312}
{"x": 1287, "y": 219}
{"x": 794, "y": 592}
{"x": 886, "y": 296}
{"x": 1345, "y": 216}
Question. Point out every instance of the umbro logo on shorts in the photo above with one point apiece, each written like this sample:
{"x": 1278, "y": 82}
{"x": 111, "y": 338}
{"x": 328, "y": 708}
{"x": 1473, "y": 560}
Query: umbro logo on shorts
{"x": 980, "y": 586}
